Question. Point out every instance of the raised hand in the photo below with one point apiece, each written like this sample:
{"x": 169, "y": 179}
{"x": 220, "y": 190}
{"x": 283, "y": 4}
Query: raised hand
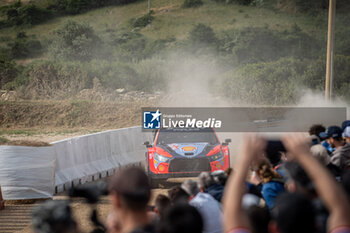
{"x": 252, "y": 147}
{"x": 297, "y": 144}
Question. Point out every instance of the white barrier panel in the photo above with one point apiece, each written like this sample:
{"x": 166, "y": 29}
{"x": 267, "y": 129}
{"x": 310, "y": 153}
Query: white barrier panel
{"x": 91, "y": 156}
{"x": 27, "y": 172}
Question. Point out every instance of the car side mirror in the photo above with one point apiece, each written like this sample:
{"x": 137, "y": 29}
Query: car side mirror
{"x": 147, "y": 144}
{"x": 228, "y": 140}
{"x": 224, "y": 144}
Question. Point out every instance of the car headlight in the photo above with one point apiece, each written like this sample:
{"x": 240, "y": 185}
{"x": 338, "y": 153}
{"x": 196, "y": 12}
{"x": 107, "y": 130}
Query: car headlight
{"x": 160, "y": 158}
{"x": 216, "y": 157}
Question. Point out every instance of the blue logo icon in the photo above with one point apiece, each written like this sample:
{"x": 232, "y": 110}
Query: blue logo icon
{"x": 151, "y": 120}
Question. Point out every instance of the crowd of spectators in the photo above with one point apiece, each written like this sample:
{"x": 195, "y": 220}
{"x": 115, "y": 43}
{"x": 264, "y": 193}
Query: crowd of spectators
{"x": 300, "y": 184}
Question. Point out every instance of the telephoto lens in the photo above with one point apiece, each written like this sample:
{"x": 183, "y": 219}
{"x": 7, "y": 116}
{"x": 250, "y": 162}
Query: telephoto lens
{"x": 91, "y": 192}
{"x": 53, "y": 217}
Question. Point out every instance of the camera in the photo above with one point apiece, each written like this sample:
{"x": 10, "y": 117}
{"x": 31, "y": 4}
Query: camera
{"x": 55, "y": 216}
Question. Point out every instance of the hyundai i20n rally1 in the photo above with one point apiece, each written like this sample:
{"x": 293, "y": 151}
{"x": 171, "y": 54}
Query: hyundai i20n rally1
{"x": 185, "y": 152}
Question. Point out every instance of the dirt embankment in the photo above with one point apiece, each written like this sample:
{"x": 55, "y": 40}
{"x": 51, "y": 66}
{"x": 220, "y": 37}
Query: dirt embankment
{"x": 54, "y": 120}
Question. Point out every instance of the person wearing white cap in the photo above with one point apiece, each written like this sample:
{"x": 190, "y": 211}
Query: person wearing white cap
{"x": 346, "y": 134}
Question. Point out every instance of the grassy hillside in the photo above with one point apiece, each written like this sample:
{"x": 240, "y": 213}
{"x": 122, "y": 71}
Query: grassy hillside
{"x": 263, "y": 54}
{"x": 172, "y": 20}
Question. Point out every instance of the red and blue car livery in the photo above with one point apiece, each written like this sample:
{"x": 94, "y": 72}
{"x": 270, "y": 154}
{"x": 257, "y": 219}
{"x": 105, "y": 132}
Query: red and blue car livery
{"x": 185, "y": 152}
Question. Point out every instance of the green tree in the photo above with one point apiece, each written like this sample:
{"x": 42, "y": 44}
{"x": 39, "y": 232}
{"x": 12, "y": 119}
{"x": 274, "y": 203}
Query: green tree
{"x": 75, "y": 41}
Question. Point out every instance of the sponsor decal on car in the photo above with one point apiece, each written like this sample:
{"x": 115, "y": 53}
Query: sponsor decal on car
{"x": 188, "y": 148}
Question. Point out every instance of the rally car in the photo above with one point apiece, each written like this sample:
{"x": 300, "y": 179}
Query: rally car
{"x": 179, "y": 152}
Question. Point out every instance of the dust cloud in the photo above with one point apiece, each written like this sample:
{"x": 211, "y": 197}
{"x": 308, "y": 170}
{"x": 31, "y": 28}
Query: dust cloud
{"x": 192, "y": 82}
{"x": 195, "y": 82}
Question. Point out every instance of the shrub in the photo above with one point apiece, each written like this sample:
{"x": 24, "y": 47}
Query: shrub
{"x": 76, "y": 6}
{"x": 151, "y": 74}
{"x": 143, "y": 21}
{"x": 29, "y": 14}
{"x": 192, "y": 3}
{"x": 8, "y": 72}
{"x": 75, "y": 42}
{"x": 79, "y": 6}
{"x": 122, "y": 2}
{"x": 202, "y": 34}
{"x": 131, "y": 46}
{"x": 251, "y": 45}
{"x": 311, "y": 5}
{"x": 47, "y": 79}
{"x": 342, "y": 45}
{"x": 23, "y": 47}
{"x": 113, "y": 75}
{"x": 314, "y": 76}
{"x": 273, "y": 83}
{"x": 155, "y": 47}
{"x": 242, "y": 2}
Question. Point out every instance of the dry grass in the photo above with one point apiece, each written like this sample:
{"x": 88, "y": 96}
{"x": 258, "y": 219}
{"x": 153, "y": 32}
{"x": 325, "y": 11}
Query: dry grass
{"x": 47, "y": 121}
{"x": 25, "y": 143}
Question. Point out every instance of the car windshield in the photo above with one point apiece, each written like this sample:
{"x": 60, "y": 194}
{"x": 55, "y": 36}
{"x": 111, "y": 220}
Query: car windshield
{"x": 169, "y": 136}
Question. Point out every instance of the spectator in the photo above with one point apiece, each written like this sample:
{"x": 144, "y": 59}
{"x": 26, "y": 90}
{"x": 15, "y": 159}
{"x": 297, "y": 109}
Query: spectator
{"x": 250, "y": 200}
{"x": 2, "y": 202}
{"x": 326, "y": 141}
{"x": 341, "y": 155}
{"x": 177, "y": 194}
{"x": 345, "y": 124}
{"x": 220, "y": 177}
{"x": 235, "y": 220}
{"x": 130, "y": 193}
{"x": 299, "y": 182}
{"x": 113, "y": 224}
{"x": 162, "y": 203}
{"x": 315, "y": 140}
{"x": 316, "y": 130}
{"x": 255, "y": 189}
{"x": 329, "y": 191}
{"x": 294, "y": 213}
{"x": 191, "y": 188}
{"x": 272, "y": 182}
{"x": 207, "y": 184}
{"x": 274, "y": 152}
{"x": 53, "y": 217}
{"x": 259, "y": 218}
{"x": 181, "y": 218}
{"x": 206, "y": 205}
{"x": 346, "y": 134}
{"x": 346, "y": 183}
{"x": 321, "y": 154}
